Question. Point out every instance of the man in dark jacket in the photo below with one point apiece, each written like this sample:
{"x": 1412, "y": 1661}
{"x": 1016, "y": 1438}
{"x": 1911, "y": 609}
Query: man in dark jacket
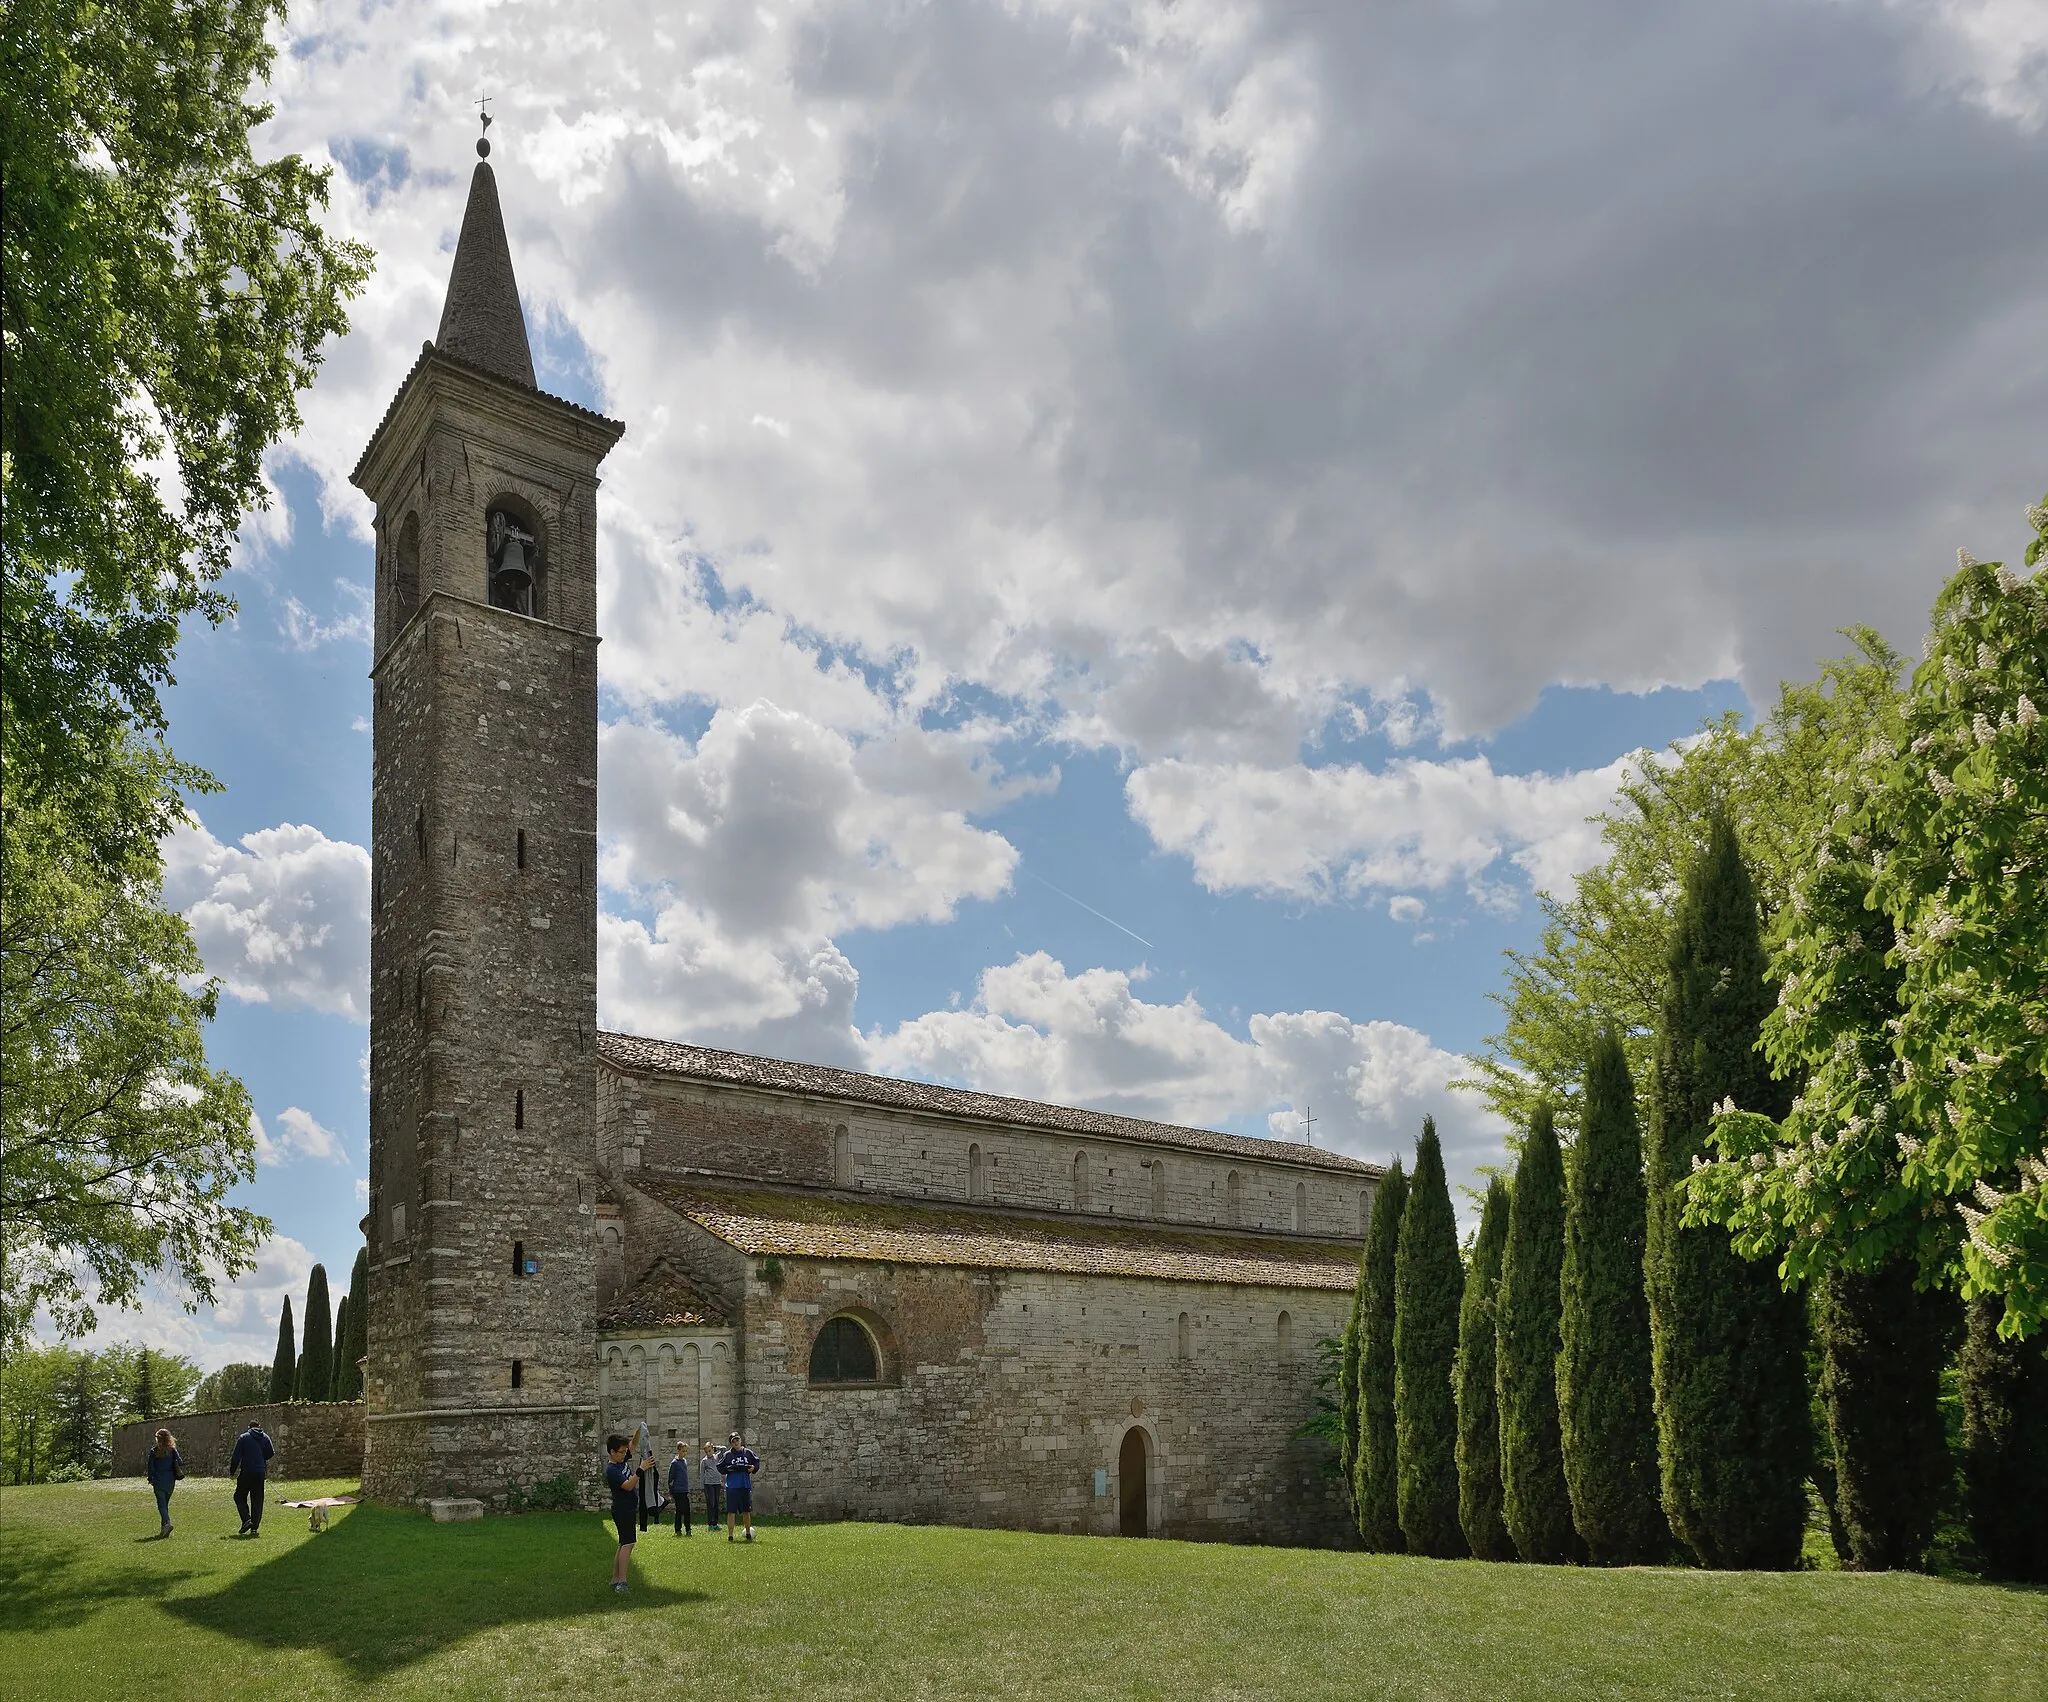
{"x": 679, "y": 1492}
{"x": 248, "y": 1465}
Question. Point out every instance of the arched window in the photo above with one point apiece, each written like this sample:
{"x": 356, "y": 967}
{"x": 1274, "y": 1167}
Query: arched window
{"x": 1080, "y": 1181}
{"x": 405, "y": 573}
{"x": 516, "y": 557}
{"x": 1233, "y": 1198}
{"x": 844, "y": 1353}
{"x": 1180, "y": 1339}
{"x": 1159, "y": 1187}
{"x": 842, "y": 1158}
{"x": 1300, "y": 1206}
{"x": 1286, "y": 1339}
{"x": 977, "y": 1183}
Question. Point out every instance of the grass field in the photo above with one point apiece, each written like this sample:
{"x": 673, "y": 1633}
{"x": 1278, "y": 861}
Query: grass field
{"x": 92, "y": 1605}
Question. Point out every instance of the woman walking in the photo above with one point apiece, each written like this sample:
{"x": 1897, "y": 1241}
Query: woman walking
{"x": 165, "y": 1467}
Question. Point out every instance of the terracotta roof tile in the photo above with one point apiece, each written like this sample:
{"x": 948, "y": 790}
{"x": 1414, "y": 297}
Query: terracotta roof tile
{"x": 764, "y": 1221}
{"x": 777, "y": 1075}
{"x": 665, "y": 1298}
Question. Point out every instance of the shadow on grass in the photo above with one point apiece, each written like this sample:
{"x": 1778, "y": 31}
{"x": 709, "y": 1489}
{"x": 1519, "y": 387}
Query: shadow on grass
{"x": 382, "y": 1588}
{"x": 49, "y": 1582}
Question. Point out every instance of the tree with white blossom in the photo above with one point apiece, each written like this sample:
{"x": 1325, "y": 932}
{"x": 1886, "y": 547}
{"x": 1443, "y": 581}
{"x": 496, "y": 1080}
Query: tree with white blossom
{"x": 1912, "y": 957}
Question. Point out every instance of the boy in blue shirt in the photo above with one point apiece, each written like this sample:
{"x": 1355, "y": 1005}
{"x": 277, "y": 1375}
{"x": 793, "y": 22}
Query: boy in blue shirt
{"x": 624, "y": 1483}
{"x": 679, "y": 1492}
{"x": 739, "y": 1463}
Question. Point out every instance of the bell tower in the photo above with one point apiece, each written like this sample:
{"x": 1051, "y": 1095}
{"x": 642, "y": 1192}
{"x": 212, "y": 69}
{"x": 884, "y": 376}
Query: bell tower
{"x": 482, "y": 1368}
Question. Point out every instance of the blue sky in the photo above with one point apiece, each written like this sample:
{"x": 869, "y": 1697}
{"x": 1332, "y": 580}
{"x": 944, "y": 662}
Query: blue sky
{"x": 1143, "y": 533}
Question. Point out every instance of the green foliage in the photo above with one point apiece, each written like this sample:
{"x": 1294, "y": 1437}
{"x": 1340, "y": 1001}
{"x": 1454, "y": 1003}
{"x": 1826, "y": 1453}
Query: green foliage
{"x": 1375, "y": 1482}
{"x": 335, "y": 1358}
{"x": 550, "y": 1495}
{"x": 284, "y": 1368}
{"x": 1606, "y": 1420}
{"x": 58, "y": 1405}
{"x": 1347, "y": 1383}
{"x": 354, "y": 1347}
{"x": 1326, "y": 1424}
{"x": 1600, "y": 959}
{"x": 2005, "y": 1444}
{"x": 120, "y": 1144}
{"x": 165, "y": 298}
{"x": 161, "y": 1384}
{"x": 1727, "y": 1342}
{"x": 1429, "y": 1281}
{"x": 1479, "y": 1492}
{"x": 1915, "y": 1002}
{"x": 232, "y": 1386}
{"x": 313, "y": 1376}
{"x": 1882, "y": 1345}
{"x": 1534, "y": 1500}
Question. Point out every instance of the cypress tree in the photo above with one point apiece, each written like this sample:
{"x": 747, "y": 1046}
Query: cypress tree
{"x": 350, "y": 1354}
{"x": 145, "y": 1386}
{"x": 1478, "y": 1408}
{"x": 285, "y": 1366}
{"x": 1606, "y": 1420}
{"x": 1883, "y": 1344}
{"x": 1534, "y": 1500}
{"x": 1727, "y": 1343}
{"x": 1429, "y": 1282}
{"x": 1347, "y": 1385}
{"x": 316, "y": 1353}
{"x": 1374, "y": 1485}
{"x": 340, "y": 1354}
{"x": 2005, "y": 1445}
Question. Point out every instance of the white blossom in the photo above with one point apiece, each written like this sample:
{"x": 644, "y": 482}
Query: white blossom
{"x": 1908, "y": 1146}
{"x": 1944, "y": 787}
{"x": 1981, "y": 726}
{"x": 2008, "y": 581}
{"x": 2026, "y": 713}
{"x": 1987, "y": 1196}
{"x": 1986, "y": 656}
{"x": 1965, "y": 559}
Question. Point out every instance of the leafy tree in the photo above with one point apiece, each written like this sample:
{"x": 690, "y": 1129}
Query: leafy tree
{"x": 165, "y": 297}
{"x": 31, "y": 1404}
{"x": 1429, "y": 1282}
{"x": 284, "y": 1368}
{"x": 314, "y": 1376}
{"x": 2005, "y": 1444}
{"x": 1727, "y": 1342}
{"x": 1600, "y": 959}
{"x": 1479, "y": 1512}
{"x": 1915, "y": 1002}
{"x": 1883, "y": 1343}
{"x": 1375, "y": 1487}
{"x": 120, "y": 1144}
{"x": 1534, "y": 1500}
{"x": 355, "y": 1347}
{"x": 232, "y": 1386}
{"x": 1607, "y": 1421}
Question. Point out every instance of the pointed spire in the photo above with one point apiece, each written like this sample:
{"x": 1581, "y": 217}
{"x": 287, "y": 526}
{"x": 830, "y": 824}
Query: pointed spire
{"x": 481, "y": 322}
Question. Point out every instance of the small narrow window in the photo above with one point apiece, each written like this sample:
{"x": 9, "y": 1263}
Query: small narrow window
{"x": 1159, "y": 1187}
{"x": 419, "y": 831}
{"x": 1300, "y": 1207}
{"x": 521, "y": 853}
{"x": 519, "y": 1108}
{"x": 842, "y": 1158}
{"x": 519, "y": 1258}
{"x": 1180, "y": 1338}
{"x": 1286, "y": 1339}
{"x": 977, "y": 1183}
{"x": 1080, "y": 1181}
{"x": 398, "y": 1223}
{"x": 1233, "y": 1198}
{"x": 518, "y": 1373}
{"x": 419, "y": 991}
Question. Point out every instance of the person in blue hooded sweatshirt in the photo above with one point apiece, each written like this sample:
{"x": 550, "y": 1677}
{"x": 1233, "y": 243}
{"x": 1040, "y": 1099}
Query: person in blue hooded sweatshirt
{"x": 249, "y": 1465}
{"x": 165, "y": 1465}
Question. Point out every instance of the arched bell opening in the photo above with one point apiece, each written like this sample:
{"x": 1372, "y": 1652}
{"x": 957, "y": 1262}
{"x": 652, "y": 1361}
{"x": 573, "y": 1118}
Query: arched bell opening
{"x": 516, "y": 557}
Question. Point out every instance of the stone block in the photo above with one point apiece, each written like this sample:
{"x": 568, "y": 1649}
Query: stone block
{"x": 455, "y": 1509}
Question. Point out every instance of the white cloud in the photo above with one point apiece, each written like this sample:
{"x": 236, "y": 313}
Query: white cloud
{"x": 1406, "y": 907}
{"x": 241, "y": 1328}
{"x": 1994, "y": 51}
{"x": 300, "y": 1135}
{"x": 349, "y": 624}
{"x": 282, "y": 917}
{"x": 1089, "y": 1039}
{"x": 1342, "y": 831}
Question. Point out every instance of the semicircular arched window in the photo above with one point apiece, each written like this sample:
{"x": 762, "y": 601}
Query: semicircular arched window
{"x": 844, "y": 1353}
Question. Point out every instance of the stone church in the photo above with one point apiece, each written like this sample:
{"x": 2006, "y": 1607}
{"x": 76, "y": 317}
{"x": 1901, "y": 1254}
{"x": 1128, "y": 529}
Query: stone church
{"x": 919, "y": 1303}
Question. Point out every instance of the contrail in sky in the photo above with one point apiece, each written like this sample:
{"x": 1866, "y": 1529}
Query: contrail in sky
{"x": 1111, "y": 920}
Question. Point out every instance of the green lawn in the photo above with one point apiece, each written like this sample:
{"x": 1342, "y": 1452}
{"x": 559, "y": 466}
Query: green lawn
{"x": 92, "y": 1605}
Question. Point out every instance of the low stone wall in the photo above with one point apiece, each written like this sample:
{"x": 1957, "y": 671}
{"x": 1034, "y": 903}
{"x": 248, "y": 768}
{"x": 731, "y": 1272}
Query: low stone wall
{"x": 313, "y": 1439}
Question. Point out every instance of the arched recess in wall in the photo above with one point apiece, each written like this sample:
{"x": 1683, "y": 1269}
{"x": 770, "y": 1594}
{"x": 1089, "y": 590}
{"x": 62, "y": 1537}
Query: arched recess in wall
{"x": 977, "y": 1179}
{"x": 1081, "y": 1190}
{"x": 842, "y": 1157}
{"x": 1159, "y": 1187}
{"x": 1233, "y": 1198}
{"x": 1300, "y": 1207}
{"x": 405, "y": 573}
{"x": 1364, "y": 1212}
{"x": 845, "y": 1353}
{"x": 1181, "y": 1346}
{"x": 515, "y": 555}
{"x": 1286, "y": 1335}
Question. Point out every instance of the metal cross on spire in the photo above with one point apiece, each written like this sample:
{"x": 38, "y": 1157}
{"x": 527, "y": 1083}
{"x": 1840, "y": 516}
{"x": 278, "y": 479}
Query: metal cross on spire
{"x": 483, "y": 112}
{"x": 1308, "y": 1123}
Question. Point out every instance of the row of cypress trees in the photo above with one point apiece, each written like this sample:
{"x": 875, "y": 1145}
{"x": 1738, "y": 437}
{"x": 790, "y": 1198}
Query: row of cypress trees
{"x": 326, "y": 1364}
{"x": 1604, "y": 1379}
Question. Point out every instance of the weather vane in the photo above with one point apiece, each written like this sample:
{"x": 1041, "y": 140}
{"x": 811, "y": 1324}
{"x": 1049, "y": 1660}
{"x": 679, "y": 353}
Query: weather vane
{"x": 483, "y": 142}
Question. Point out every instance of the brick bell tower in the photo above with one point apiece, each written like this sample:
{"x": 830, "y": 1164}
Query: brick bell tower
{"x": 482, "y": 1370}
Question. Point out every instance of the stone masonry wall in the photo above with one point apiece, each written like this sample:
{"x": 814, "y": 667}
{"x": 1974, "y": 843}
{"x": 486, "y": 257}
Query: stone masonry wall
{"x": 1005, "y": 1394}
{"x": 313, "y": 1439}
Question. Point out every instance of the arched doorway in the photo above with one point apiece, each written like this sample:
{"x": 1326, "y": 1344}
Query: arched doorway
{"x": 1130, "y": 1484}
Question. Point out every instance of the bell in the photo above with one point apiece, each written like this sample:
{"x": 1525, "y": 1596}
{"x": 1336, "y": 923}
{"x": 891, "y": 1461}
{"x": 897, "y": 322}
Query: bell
{"x": 513, "y": 573}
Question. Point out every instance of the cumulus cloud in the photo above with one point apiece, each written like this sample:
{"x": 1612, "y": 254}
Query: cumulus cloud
{"x": 299, "y": 1135}
{"x": 241, "y": 1328}
{"x": 282, "y": 916}
{"x": 1346, "y": 830}
{"x": 1091, "y": 1039}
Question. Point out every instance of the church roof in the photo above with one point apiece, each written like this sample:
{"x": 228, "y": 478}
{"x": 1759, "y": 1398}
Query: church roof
{"x": 777, "y": 1075}
{"x": 665, "y": 1298}
{"x": 481, "y": 321}
{"x": 794, "y": 1225}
